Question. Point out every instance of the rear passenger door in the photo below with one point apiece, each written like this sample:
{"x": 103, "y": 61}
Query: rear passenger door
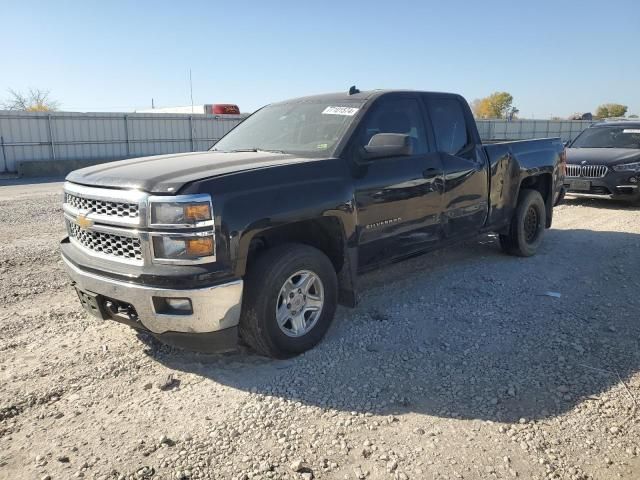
{"x": 465, "y": 197}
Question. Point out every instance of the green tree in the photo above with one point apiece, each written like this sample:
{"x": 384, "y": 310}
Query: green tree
{"x": 496, "y": 105}
{"x": 608, "y": 110}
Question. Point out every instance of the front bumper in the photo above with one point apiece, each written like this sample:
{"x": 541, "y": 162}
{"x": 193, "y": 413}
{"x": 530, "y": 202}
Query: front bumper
{"x": 215, "y": 308}
{"x": 614, "y": 185}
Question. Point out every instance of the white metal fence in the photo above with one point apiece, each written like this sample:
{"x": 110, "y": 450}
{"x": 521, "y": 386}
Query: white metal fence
{"x": 526, "y": 129}
{"x": 95, "y": 137}
{"x": 28, "y": 136}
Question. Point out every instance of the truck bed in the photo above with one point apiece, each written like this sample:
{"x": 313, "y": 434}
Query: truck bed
{"x": 510, "y": 163}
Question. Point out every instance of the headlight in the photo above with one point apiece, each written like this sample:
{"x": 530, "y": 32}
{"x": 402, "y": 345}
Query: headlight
{"x": 627, "y": 167}
{"x": 183, "y": 231}
{"x": 181, "y": 213}
{"x": 183, "y": 247}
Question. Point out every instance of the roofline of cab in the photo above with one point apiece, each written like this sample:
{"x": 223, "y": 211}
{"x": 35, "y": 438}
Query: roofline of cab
{"x": 364, "y": 96}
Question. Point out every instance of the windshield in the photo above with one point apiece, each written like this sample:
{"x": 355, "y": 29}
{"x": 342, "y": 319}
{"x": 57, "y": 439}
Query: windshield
{"x": 608, "y": 137}
{"x": 302, "y": 128}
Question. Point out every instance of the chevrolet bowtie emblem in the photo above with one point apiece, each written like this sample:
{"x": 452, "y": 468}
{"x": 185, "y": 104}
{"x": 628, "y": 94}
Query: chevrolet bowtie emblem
{"x": 84, "y": 222}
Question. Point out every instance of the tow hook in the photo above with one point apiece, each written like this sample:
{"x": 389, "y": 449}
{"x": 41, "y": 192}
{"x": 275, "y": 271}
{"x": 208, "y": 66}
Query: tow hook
{"x": 118, "y": 309}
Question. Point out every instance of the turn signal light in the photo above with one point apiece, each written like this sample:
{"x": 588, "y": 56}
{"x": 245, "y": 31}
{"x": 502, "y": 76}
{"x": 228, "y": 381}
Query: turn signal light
{"x": 197, "y": 212}
{"x": 200, "y": 247}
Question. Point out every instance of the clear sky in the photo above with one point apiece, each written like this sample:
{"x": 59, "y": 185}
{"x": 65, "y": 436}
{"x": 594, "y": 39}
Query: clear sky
{"x": 555, "y": 57}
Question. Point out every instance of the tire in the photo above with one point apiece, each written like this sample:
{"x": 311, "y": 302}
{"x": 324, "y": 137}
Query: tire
{"x": 265, "y": 290}
{"x": 527, "y": 225}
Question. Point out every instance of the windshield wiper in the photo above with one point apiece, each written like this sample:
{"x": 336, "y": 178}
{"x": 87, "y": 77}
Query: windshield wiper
{"x": 255, "y": 150}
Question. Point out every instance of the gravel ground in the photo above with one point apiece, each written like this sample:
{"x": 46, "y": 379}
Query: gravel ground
{"x": 454, "y": 365}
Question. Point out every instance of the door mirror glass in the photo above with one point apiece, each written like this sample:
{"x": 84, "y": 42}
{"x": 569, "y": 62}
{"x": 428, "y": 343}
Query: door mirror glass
{"x": 388, "y": 145}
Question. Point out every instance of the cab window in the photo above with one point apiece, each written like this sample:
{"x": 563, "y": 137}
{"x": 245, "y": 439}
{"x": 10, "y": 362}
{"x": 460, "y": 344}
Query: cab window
{"x": 449, "y": 124}
{"x": 400, "y": 115}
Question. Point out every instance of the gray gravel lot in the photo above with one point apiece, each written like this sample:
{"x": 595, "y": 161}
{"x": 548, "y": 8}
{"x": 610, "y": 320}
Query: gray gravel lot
{"x": 454, "y": 365}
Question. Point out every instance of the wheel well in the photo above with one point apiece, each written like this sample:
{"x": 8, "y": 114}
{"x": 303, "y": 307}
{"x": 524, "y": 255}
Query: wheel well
{"x": 541, "y": 183}
{"x": 324, "y": 233}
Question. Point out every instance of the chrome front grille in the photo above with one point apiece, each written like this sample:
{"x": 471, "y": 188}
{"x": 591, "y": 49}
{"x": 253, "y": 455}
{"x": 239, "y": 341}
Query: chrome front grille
{"x": 109, "y": 244}
{"x": 102, "y": 207}
{"x": 115, "y": 224}
{"x": 573, "y": 170}
{"x": 587, "y": 171}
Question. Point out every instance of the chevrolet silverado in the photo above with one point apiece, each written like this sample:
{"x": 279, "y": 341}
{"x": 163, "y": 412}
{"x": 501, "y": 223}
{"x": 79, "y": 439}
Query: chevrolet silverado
{"x": 262, "y": 236}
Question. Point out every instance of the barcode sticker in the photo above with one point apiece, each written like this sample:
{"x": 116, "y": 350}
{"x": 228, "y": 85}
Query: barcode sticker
{"x": 348, "y": 111}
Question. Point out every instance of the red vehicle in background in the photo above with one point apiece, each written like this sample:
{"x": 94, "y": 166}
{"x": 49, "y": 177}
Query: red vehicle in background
{"x": 206, "y": 109}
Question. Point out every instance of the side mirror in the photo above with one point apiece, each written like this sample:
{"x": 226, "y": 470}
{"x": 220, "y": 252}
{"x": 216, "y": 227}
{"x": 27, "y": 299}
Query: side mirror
{"x": 388, "y": 145}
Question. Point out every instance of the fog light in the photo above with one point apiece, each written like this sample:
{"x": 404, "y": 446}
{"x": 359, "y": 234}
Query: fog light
{"x": 179, "y": 303}
{"x": 633, "y": 180}
{"x": 172, "y": 306}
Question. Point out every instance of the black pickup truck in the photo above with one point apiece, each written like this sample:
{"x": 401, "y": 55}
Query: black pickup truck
{"x": 262, "y": 236}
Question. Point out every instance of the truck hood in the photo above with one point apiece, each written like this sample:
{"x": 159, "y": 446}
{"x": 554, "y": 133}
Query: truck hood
{"x": 602, "y": 156}
{"x": 169, "y": 173}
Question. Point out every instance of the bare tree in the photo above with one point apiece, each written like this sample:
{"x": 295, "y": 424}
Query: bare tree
{"x": 35, "y": 100}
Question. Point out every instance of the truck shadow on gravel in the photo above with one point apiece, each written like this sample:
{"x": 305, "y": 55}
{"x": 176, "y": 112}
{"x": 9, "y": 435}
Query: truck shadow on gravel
{"x": 467, "y": 333}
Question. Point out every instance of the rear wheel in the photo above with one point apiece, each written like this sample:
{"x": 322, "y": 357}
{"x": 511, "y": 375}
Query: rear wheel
{"x": 527, "y": 225}
{"x": 289, "y": 300}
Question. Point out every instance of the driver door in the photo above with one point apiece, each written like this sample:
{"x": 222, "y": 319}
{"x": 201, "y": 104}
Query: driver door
{"x": 398, "y": 198}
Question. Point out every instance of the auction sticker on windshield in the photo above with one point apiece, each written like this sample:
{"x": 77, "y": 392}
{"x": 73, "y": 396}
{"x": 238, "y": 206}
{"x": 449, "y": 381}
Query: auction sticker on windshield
{"x": 348, "y": 111}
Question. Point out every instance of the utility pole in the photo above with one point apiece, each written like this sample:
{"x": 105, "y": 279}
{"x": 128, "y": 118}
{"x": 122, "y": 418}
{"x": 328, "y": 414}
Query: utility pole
{"x": 191, "y": 90}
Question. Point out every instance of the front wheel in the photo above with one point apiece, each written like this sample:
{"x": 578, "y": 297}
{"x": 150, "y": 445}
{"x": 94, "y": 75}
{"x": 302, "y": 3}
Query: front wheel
{"x": 527, "y": 225}
{"x": 289, "y": 300}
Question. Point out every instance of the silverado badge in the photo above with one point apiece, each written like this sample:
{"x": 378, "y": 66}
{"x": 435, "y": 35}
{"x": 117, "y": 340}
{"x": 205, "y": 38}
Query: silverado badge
{"x": 383, "y": 223}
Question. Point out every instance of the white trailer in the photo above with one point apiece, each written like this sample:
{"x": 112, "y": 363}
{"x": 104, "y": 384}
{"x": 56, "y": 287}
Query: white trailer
{"x": 206, "y": 109}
